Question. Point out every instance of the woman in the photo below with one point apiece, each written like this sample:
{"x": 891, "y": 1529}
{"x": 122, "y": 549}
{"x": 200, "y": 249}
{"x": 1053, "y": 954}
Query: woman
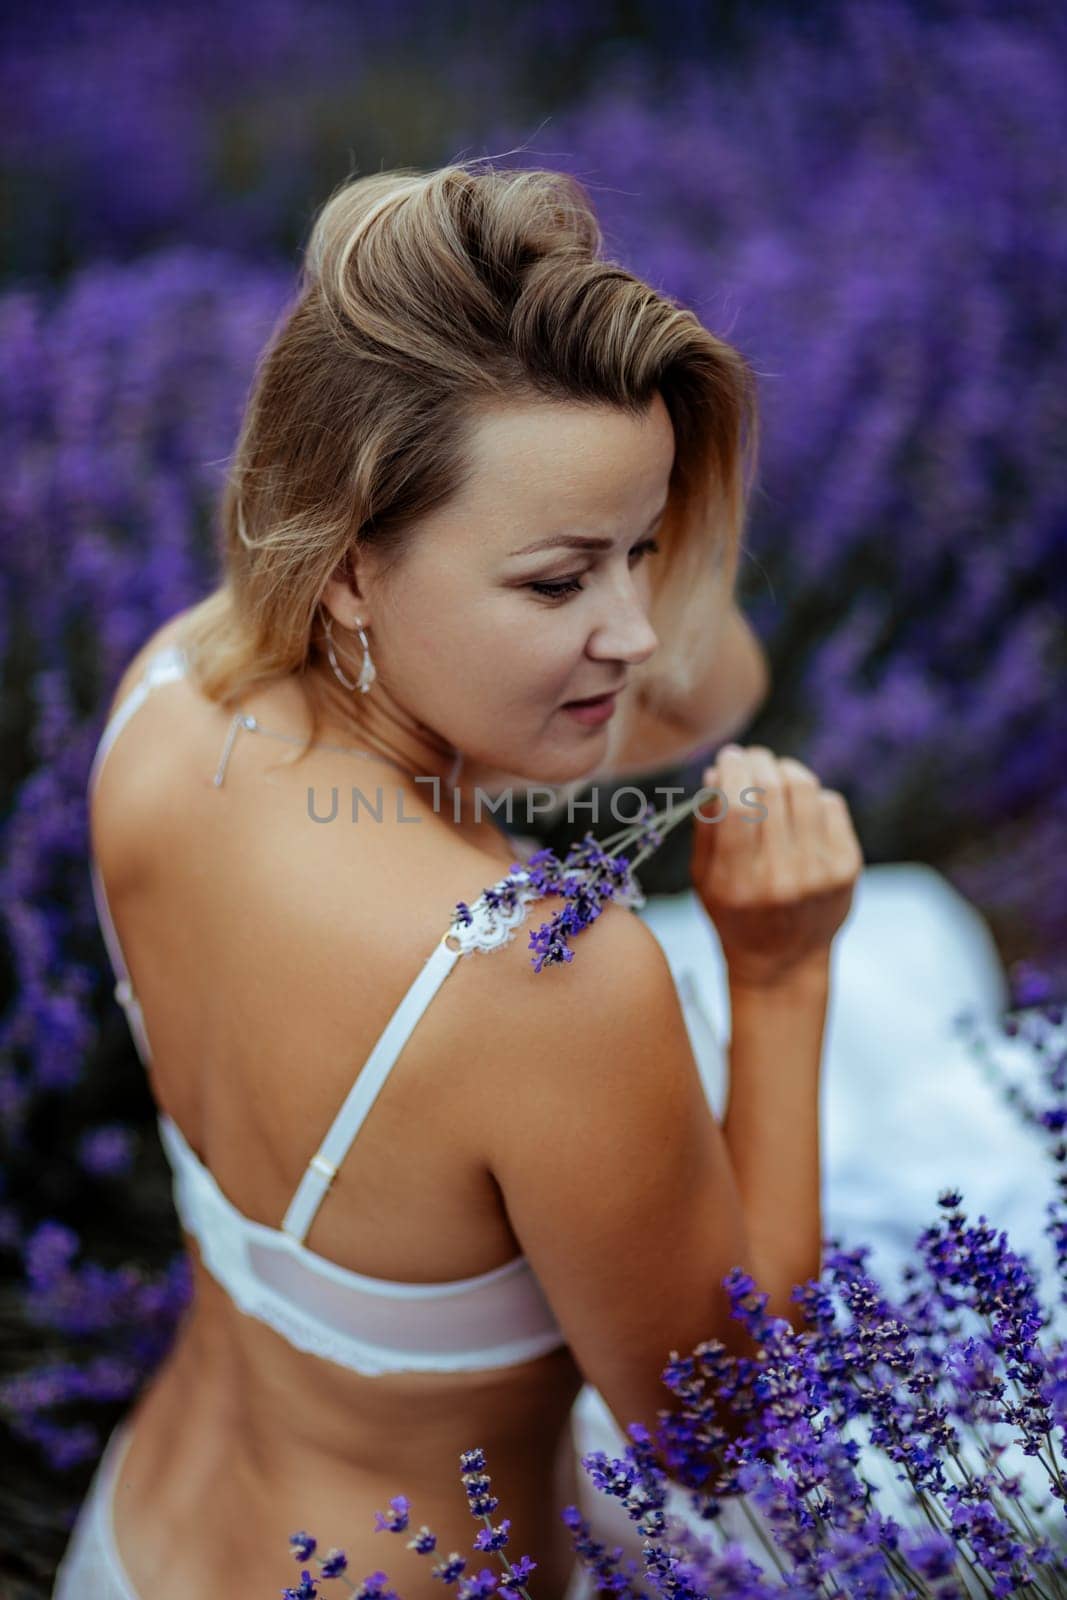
{"x": 484, "y": 475}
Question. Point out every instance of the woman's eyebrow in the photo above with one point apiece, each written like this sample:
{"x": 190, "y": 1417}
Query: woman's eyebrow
{"x": 579, "y": 541}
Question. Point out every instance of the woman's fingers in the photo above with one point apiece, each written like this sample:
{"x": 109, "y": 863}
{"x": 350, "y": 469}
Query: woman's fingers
{"x": 732, "y": 862}
{"x": 804, "y": 842}
{"x": 804, "y": 798}
{"x": 775, "y": 847}
{"x": 707, "y": 823}
{"x": 777, "y": 882}
{"x": 839, "y": 835}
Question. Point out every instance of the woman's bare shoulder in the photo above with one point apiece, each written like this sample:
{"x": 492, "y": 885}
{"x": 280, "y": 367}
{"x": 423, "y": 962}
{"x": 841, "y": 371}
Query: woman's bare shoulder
{"x": 617, "y": 952}
{"x": 618, "y": 972}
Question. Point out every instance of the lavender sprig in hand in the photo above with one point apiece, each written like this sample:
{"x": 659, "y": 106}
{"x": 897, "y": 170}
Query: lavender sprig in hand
{"x": 594, "y": 872}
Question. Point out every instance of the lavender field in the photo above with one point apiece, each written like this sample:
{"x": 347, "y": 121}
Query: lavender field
{"x": 869, "y": 200}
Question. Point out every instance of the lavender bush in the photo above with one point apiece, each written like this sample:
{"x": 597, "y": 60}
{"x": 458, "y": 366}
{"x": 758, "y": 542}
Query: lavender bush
{"x": 120, "y": 396}
{"x": 880, "y": 225}
{"x": 128, "y": 129}
{"x": 949, "y": 1385}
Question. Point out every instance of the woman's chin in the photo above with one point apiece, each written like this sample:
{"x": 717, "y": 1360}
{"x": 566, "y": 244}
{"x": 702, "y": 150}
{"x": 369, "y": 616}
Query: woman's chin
{"x": 549, "y": 764}
{"x": 577, "y": 765}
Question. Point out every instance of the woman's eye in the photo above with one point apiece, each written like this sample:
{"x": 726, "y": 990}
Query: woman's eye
{"x": 559, "y": 587}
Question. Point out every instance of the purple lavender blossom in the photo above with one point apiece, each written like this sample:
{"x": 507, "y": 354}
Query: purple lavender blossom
{"x": 334, "y": 1562}
{"x": 107, "y": 1151}
{"x": 591, "y": 874}
{"x": 307, "y": 1589}
{"x": 396, "y": 1519}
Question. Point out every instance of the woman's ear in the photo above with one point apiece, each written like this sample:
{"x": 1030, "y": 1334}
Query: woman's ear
{"x": 342, "y": 596}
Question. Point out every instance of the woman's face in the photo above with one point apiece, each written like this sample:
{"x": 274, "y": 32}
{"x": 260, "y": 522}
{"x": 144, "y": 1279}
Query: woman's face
{"x": 498, "y": 614}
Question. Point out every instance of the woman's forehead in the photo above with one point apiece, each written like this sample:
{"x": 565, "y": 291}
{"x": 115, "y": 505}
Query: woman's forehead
{"x": 558, "y": 468}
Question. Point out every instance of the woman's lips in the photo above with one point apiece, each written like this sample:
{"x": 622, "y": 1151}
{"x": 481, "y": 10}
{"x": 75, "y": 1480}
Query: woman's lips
{"x": 591, "y": 712}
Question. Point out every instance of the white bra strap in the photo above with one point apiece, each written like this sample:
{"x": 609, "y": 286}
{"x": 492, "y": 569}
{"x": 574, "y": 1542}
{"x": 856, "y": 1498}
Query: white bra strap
{"x": 123, "y": 989}
{"x": 322, "y": 1168}
{"x": 165, "y": 665}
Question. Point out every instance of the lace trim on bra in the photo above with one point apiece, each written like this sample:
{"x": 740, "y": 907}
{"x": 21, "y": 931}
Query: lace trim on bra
{"x": 491, "y": 920}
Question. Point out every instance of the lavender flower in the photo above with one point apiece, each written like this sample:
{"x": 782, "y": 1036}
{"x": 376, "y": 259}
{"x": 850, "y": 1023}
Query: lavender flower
{"x": 307, "y": 1589}
{"x": 396, "y": 1519}
{"x": 107, "y": 1151}
{"x": 491, "y": 1538}
{"x": 513, "y": 1581}
{"x": 450, "y": 1569}
{"x": 592, "y": 874}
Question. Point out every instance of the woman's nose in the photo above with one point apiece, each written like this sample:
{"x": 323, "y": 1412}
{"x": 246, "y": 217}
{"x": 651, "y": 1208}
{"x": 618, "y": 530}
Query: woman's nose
{"x": 624, "y": 632}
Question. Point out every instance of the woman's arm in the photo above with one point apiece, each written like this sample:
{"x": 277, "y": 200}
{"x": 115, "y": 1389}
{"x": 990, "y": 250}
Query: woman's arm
{"x": 771, "y": 1124}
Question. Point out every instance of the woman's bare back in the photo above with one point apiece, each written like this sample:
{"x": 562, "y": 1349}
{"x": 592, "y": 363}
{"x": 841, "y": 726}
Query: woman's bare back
{"x": 268, "y": 952}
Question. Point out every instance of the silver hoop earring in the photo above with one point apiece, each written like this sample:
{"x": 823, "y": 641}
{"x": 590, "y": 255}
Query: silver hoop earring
{"x": 367, "y": 672}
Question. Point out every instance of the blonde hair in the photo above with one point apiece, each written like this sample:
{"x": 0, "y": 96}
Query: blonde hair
{"x": 426, "y": 298}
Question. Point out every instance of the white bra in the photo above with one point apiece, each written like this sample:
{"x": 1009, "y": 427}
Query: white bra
{"x": 371, "y": 1325}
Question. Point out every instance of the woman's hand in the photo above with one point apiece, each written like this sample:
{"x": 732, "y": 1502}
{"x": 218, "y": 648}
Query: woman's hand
{"x": 777, "y": 886}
